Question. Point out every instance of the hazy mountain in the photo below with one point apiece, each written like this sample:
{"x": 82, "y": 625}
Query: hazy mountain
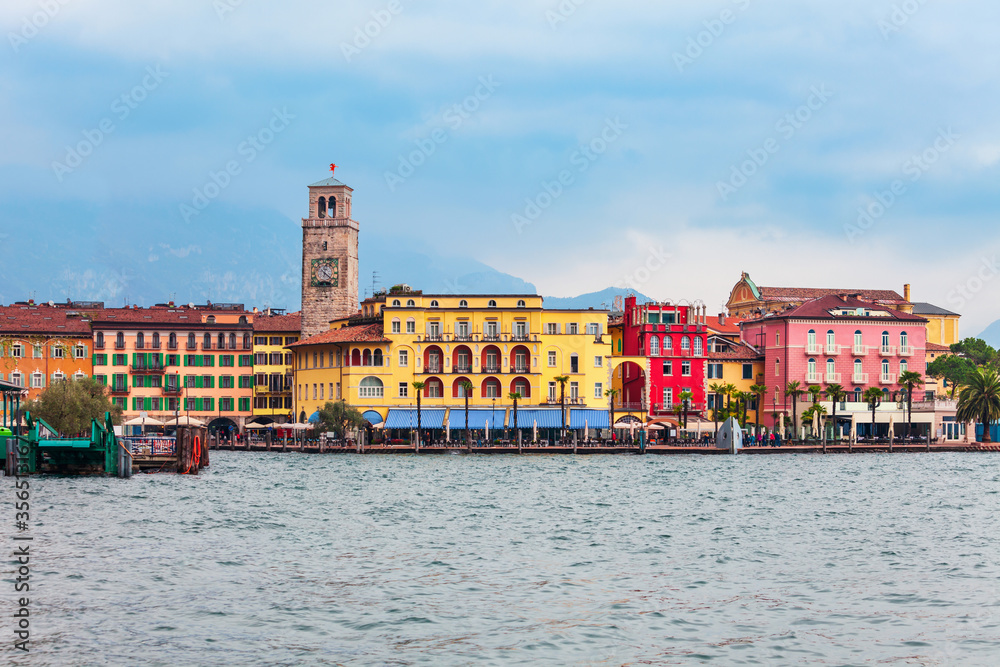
{"x": 603, "y": 300}
{"x": 992, "y": 335}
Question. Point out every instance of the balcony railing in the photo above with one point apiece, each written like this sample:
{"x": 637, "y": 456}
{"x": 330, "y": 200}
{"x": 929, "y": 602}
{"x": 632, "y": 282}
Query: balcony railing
{"x": 118, "y": 389}
{"x": 860, "y": 378}
{"x": 154, "y": 346}
{"x": 520, "y": 338}
{"x": 463, "y": 338}
{"x": 119, "y": 345}
{"x": 99, "y": 345}
{"x": 859, "y": 350}
{"x": 521, "y": 369}
{"x": 887, "y": 351}
{"x": 434, "y": 337}
{"x": 462, "y": 370}
{"x": 833, "y": 350}
{"x": 192, "y": 346}
{"x": 905, "y": 351}
{"x": 814, "y": 348}
{"x": 171, "y": 346}
{"x": 887, "y": 379}
{"x": 491, "y": 370}
{"x": 814, "y": 378}
{"x": 147, "y": 368}
{"x": 431, "y": 368}
{"x": 172, "y": 390}
{"x": 833, "y": 378}
{"x": 492, "y": 338}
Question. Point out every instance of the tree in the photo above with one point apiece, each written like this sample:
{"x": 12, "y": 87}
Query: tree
{"x": 612, "y": 394}
{"x": 339, "y": 417}
{"x": 419, "y": 387}
{"x": 873, "y": 397}
{"x": 467, "y": 391}
{"x": 716, "y": 389}
{"x": 951, "y": 368}
{"x": 793, "y": 390}
{"x": 910, "y": 380}
{"x": 729, "y": 389}
{"x": 685, "y": 398}
{"x": 835, "y": 393}
{"x": 70, "y": 405}
{"x": 976, "y": 350}
{"x": 815, "y": 391}
{"x": 759, "y": 390}
{"x": 562, "y": 380}
{"x": 810, "y": 414}
{"x": 979, "y": 400}
{"x": 514, "y": 396}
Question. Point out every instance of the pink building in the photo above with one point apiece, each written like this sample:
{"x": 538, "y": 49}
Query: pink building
{"x": 836, "y": 340}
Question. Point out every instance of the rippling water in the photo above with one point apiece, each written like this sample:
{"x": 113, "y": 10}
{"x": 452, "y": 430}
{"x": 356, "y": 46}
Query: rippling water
{"x": 282, "y": 559}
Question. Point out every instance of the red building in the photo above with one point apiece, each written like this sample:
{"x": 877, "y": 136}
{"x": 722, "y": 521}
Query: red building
{"x": 672, "y": 339}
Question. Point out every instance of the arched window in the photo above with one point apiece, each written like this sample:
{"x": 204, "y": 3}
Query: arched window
{"x": 206, "y": 341}
{"x": 812, "y": 338}
{"x": 172, "y": 341}
{"x": 858, "y": 340}
{"x": 668, "y": 343}
{"x": 156, "y": 341}
{"x": 243, "y": 319}
{"x": 371, "y": 387}
{"x": 434, "y": 388}
{"x": 698, "y": 349}
{"x": 831, "y": 339}
{"x": 140, "y": 341}
{"x": 321, "y": 208}
{"x": 777, "y": 367}
{"x": 120, "y": 340}
{"x": 521, "y": 386}
{"x": 366, "y": 358}
{"x": 411, "y": 303}
{"x": 232, "y": 341}
{"x": 396, "y": 303}
{"x": 857, "y": 395}
{"x": 377, "y": 358}
{"x": 904, "y": 343}
{"x": 355, "y": 357}
{"x": 885, "y": 339}
{"x": 211, "y": 319}
{"x": 492, "y": 304}
{"x": 903, "y": 366}
{"x": 885, "y": 369}
{"x": 246, "y": 341}
{"x": 858, "y": 371}
{"x": 831, "y": 370}
{"x": 654, "y": 346}
{"x": 331, "y": 206}
{"x": 100, "y": 339}
{"x": 686, "y": 343}
{"x": 222, "y": 341}
{"x": 812, "y": 370}
{"x": 404, "y": 358}
{"x": 434, "y": 303}
{"x": 521, "y": 303}
{"x": 463, "y": 304}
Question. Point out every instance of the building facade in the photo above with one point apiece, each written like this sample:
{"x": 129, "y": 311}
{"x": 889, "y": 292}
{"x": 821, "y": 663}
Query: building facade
{"x": 42, "y": 344}
{"x": 747, "y": 300}
{"x": 273, "y": 375}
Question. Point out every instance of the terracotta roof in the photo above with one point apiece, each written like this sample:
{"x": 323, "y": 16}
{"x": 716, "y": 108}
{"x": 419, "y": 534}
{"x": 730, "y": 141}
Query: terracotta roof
{"x": 282, "y": 323}
{"x": 731, "y": 327}
{"x": 42, "y": 320}
{"x": 934, "y": 347}
{"x": 740, "y": 352}
{"x": 819, "y": 309}
{"x": 796, "y": 294}
{"x": 184, "y": 317}
{"x": 368, "y": 333}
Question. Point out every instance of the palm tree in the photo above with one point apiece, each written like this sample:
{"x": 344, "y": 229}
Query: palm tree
{"x": 729, "y": 389}
{"x": 685, "y": 397}
{"x": 979, "y": 400}
{"x": 873, "y": 397}
{"x": 910, "y": 380}
{"x": 717, "y": 389}
{"x": 793, "y": 390}
{"x": 562, "y": 380}
{"x": 759, "y": 390}
{"x": 612, "y": 394}
{"x": 835, "y": 393}
{"x": 815, "y": 391}
{"x": 514, "y": 395}
{"x": 419, "y": 387}
{"x": 467, "y": 391}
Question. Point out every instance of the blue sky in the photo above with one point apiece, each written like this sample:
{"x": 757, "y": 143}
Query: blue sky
{"x": 695, "y": 140}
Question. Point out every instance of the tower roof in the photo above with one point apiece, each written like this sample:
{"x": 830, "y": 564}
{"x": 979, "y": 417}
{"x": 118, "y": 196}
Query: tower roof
{"x": 327, "y": 183}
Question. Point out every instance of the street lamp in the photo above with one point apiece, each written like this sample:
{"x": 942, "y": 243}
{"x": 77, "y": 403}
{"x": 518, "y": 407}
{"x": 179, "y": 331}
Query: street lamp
{"x": 493, "y": 418}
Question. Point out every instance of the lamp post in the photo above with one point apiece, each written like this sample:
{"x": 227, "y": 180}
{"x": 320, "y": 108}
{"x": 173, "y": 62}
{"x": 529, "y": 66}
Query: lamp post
{"x": 493, "y": 418}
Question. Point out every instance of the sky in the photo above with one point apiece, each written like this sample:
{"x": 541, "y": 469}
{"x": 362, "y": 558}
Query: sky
{"x": 161, "y": 149}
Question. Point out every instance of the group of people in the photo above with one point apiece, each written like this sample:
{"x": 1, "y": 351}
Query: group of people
{"x": 764, "y": 440}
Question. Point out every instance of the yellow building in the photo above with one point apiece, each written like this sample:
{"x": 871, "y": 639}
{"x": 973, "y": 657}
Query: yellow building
{"x": 501, "y": 344}
{"x": 272, "y": 332}
{"x": 735, "y": 364}
{"x": 942, "y": 325}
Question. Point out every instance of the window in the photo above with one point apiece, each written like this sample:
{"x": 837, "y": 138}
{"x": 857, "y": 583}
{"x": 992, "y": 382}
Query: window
{"x": 573, "y": 328}
{"x": 574, "y": 364}
{"x": 521, "y": 329}
{"x": 404, "y": 358}
{"x": 463, "y": 330}
{"x": 858, "y": 367}
{"x": 668, "y": 368}
{"x": 811, "y": 369}
{"x": 491, "y": 329}
{"x": 777, "y": 338}
{"x": 551, "y": 329}
{"x": 777, "y": 367}
{"x": 686, "y": 368}
{"x": 17, "y": 351}
{"x": 37, "y": 380}
{"x": 492, "y": 390}
{"x": 904, "y": 342}
{"x": 396, "y": 303}
{"x": 593, "y": 329}
{"x": 685, "y": 343}
{"x": 260, "y": 340}
{"x": 831, "y": 339}
{"x": 903, "y": 366}
{"x": 492, "y": 304}
{"x": 404, "y": 390}
{"x": 812, "y": 339}
{"x": 747, "y": 371}
{"x": 435, "y": 389}
{"x": 463, "y": 304}
{"x": 521, "y": 304}
{"x": 598, "y": 390}
{"x": 552, "y": 391}
{"x": 698, "y": 346}
{"x": 668, "y": 343}
{"x": 598, "y": 362}
{"x": 411, "y": 326}
{"x": 100, "y": 360}
{"x": 80, "y": 352}
{"x": 36, "y": 350}
{"x": 58, "y": 352}
{"x": 552, "y": 358}
{"x": 411, "y": 303}
{"x": 574, "y": 390}
{"x": 714, "y": 371}
{"x": 885, "y": 368}
{"x": 885, "y": 339}
{"x": 654, "y": 346}
{"x": 831, "y": 369}
{"x": 434, "y": 303}
{"x": 668, "y": 396}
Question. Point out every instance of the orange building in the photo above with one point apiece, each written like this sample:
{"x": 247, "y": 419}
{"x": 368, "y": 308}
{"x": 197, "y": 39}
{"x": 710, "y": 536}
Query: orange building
{"x": 42, "y": 344}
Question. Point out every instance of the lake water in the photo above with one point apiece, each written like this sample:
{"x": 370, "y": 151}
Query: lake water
{"x": 287, "y": 559}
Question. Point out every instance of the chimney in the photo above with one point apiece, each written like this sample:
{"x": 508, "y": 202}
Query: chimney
{"x": 722, "y": 318}
{"x": 906, "y": 292}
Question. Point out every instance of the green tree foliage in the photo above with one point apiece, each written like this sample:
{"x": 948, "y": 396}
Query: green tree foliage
{"x": 339, "y": 417}
{"x": 70, "y": 405}
{"x": 979, "y": 400}
{"x": 951, "y": 368}
{"x": 976, "y": 350}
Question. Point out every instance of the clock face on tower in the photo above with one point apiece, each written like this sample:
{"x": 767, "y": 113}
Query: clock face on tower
{"x": 325, "y": 272}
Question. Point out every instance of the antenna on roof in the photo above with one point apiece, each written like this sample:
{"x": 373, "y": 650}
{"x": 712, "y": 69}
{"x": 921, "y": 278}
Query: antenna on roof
{"x": 375, "y": 278}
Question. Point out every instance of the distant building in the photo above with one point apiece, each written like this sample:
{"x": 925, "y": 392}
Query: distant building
{"x": 272, "y": 331}
{"x": 747, "y": 300}
{"x": 41, "y": 344}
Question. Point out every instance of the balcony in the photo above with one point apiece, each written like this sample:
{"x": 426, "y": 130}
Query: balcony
{"x": 814, "y": 378}
{"x": 887, "y": 351}
{"x": 833, "y": 378}
{"x": 860, "y": 378}
{"x": 434, "y": 338}
{"x": 520, "y": 338}
{"x": 859, "y": 350}
{"x": 143, "y": 369}
{"x": 154, "y": 346}
{"x": 833, "y": 350}
{"x": 887, "y": 379}
{"x": 119, "y": 345}
{"x": 814, "y": 348}
{"x": 119, "y": 390}
{"x": 171, "y": 346}
{"x": 520, "y": 369}
{"x": 99, "y": 345}
{"x": 461, "y": 370}
{"x": 491, "y": 370}
{"x": 432, "y": 369}
{"x": 463, "y": 338}
{"x": 192, "y": 346}
{"x": 491, "y": 338}
{"x": 140, "y": 346}
{"x": 905, "y": 351}
{"x": 172, "y": 390}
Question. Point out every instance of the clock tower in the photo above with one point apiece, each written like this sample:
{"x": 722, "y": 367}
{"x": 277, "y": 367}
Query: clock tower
{"x": 329, "y": 257}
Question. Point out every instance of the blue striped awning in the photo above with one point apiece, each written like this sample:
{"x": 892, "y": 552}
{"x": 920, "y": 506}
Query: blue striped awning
{"x": 406, "y": 418}
{"x": 477, "y": 418}
{"x": 592, "y": 418}
{"x": 545, "y": 418}
{"x": 373, "y": 417}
